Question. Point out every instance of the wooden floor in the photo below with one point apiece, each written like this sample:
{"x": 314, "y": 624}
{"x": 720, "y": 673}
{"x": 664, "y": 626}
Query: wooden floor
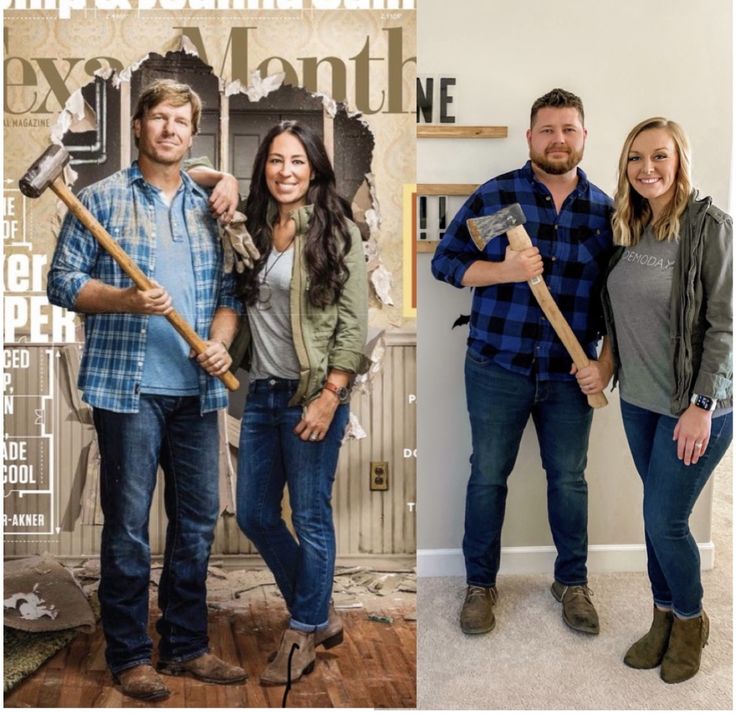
{"x": 374, "y": 667}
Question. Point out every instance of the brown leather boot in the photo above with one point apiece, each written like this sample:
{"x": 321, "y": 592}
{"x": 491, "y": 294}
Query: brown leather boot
{"x": 477, "y": 614}
{"x": 687, "y": 640}
{"x": 578, "y": 611}
{"x": 142, "y": 682}
{"x": 294, "y": 659}
{"x": 207, "y": 668}
{"x": 332, "y": 635}
{"x": 648, "y": 651}
{"x": 329, "y": 637}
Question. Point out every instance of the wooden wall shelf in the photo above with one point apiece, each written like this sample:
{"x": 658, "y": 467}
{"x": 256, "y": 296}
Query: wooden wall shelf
{"x": 451, "y": 131}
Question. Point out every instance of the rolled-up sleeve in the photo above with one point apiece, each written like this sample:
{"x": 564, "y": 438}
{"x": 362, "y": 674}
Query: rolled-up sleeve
{"x": 74, "y": 258}
{"x": 227, "y": 297}
{"x": 456, "y": 252}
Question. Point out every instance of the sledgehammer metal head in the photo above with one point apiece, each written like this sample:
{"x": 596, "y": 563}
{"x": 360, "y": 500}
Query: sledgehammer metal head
{"x": 44, "y": 171}
{"x": 484, "y": 229}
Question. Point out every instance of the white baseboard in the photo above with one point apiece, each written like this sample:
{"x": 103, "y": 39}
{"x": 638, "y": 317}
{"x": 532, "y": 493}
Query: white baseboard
{"x": 540, "y": 560}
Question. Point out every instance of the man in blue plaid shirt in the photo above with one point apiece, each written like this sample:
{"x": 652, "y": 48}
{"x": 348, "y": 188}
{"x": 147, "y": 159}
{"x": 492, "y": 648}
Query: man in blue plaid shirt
{"x": 516, "y": 367}
{"x": 153, "y": 403}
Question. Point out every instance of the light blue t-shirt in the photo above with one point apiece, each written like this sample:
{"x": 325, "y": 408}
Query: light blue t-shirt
{"x": 167, "y": 368}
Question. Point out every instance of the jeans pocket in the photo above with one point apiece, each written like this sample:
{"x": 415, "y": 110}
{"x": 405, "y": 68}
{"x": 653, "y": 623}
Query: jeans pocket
{"x": 477, "y": 359}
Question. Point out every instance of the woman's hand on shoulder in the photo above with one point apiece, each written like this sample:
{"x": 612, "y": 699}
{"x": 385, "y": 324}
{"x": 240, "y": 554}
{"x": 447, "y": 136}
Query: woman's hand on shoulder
{"x": 692, "y": 434}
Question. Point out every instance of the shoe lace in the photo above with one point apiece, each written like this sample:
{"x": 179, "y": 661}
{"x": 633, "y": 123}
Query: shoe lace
{"x": 580, "y": 590}
{"x": 475, "y": 592}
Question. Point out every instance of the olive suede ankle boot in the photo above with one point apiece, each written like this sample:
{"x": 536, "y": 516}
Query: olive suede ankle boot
{"x": 687, "y": 639}
{"x": 649, "y": 651}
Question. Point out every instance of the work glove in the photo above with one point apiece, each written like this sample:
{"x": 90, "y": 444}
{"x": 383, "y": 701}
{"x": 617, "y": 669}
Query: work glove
{"x": 239, "y": 249}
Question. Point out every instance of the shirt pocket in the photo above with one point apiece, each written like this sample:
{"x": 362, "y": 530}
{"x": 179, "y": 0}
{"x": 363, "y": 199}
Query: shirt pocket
{"x": 583, "y": 257}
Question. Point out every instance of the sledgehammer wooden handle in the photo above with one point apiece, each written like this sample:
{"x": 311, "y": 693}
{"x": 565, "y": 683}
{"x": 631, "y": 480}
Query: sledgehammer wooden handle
{"x": 519, "y": 240}
{"x": 132, "y": 270}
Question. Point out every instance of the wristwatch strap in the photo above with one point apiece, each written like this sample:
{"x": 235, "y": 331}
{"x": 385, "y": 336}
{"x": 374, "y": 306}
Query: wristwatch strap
{"x": 342, "y": 393}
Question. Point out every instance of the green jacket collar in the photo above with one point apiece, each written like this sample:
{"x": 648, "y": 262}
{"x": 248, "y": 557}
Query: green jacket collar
{"x": 301, "y": 216}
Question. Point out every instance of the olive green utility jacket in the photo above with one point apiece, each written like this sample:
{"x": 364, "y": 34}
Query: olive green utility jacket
{"x": 331, "y": 337}
{"x": 701, "y": 314}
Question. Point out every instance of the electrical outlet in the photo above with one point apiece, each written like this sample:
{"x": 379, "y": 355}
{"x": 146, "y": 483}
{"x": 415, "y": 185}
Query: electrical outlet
{"x": 379, "y": 475}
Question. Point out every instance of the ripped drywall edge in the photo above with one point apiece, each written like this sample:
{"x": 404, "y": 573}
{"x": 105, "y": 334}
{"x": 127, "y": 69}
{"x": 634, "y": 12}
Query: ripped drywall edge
{"x": 354, "y": 430}
{"x": 261, "y": 87}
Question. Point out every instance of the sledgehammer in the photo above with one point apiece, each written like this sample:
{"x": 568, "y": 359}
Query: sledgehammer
{"x": 47, "y": 172}
{"x": 511, "y": 221}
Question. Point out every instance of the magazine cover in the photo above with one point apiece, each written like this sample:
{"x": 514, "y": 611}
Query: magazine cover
{"x": 84, "y": 128}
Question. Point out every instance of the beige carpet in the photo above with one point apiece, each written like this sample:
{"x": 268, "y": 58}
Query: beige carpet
{"x": 531, "y": 660}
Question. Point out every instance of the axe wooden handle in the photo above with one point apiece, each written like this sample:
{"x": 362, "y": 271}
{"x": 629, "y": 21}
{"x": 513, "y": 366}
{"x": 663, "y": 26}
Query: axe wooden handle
{"x": 519, "y": 240}
{"x": 132, "y": 270}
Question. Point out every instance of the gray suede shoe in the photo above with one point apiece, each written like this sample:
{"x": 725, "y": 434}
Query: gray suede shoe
{"x": 477, "y": 614}
{"x": 578, "y": 611}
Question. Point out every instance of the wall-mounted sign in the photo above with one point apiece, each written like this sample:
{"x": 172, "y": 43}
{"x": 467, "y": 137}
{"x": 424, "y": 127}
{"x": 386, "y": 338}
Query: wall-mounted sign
{"x": 436, "y": 101}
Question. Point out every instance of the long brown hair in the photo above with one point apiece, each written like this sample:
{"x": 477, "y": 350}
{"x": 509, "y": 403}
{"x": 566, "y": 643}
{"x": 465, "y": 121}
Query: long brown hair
{"x": 632, "y": 212}
{"x": 327, "y": 240}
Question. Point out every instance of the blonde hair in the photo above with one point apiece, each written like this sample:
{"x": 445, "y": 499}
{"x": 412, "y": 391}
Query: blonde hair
{"x": 632, "y": 213}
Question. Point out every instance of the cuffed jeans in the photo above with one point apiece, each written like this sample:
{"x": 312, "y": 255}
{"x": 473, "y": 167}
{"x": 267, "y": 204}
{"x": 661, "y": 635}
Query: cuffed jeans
{"x": 671, "y": 489}
{"x": 499, "y": 405}
{"x": 273, "y": 456}
{"x": 168, "y": 430}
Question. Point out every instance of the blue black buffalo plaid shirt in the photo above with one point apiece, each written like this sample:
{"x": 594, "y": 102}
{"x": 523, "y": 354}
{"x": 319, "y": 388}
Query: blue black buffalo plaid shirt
{"x": 506, "y": 323}
{"x": 115, "y": 344}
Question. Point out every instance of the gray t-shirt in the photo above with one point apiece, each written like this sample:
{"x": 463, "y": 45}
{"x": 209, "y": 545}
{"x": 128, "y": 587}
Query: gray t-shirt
{"x": 273, "y": 343}
{"x": 640, "y": 286}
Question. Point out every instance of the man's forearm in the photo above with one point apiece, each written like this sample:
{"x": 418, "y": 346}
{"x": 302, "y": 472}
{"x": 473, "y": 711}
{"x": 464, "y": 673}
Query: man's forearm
{"x": 483, "y": 273}
{"x": 205, "y": 176}
{"x": 224, "y": 326}
{"x": 96, "y": 297}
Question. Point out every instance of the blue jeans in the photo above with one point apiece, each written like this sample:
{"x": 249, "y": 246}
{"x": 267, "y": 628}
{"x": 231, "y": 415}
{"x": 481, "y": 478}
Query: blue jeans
{"x": 168, "y": 430}
{"x": 273, "y": 456}
{"x": 670, "y": 491}
{"x": 499, "y": 404}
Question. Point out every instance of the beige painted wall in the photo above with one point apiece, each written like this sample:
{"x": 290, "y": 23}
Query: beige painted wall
{"x": 628, "y": 60}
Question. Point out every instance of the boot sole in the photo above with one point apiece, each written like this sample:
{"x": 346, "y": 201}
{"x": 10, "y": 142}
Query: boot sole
{"x": 475, "y": 630}
{"x": 308, "y": 669}
{"x": 153, "y": 696}
{"x": 170, "y": 671}
{"x": 332, "y": 641}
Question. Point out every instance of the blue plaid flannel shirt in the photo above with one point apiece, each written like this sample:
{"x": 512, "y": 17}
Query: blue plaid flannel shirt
{"x": 115, "y": 344}
{"x": 506, "y": 323}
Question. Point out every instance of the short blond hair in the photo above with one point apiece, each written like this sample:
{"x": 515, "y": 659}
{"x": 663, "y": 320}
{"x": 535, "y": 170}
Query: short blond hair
{"x": 167, "y": 90}
{"x": 632, "y": 213}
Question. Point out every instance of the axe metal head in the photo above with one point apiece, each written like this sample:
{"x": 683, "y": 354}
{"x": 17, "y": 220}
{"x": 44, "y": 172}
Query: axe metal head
{"x": 44, "y": 171}
{"x": 484, "y": 229}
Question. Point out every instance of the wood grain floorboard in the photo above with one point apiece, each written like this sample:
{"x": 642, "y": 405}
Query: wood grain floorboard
{"x": 374, "y": 667}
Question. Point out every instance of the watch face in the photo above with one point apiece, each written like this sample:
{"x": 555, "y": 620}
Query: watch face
{"x": 703, "y": 402}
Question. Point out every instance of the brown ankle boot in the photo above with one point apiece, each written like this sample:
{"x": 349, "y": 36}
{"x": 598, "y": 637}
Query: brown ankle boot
{"x": 142, "y": 682}
{"x": 648, "y": 652}
{"x": 687, "y": 639}
{"x": 332, "y": 635}
{"x": 294, "y": 659}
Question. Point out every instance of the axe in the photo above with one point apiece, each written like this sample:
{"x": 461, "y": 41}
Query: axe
{"x": 47, "y": 172}
{"x": 511, "y": 221}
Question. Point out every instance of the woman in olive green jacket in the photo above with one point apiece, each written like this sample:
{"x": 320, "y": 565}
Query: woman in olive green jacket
{"x": 668, "y": 306}
{"x": 301, "y": 341}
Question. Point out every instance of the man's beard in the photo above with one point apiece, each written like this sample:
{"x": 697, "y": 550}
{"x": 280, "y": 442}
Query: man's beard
{"x": 558, "y": 167}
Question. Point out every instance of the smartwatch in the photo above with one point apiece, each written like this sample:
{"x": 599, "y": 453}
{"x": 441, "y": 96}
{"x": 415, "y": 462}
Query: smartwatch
{"x": 342, "y": 392}
{"x": 704, "y": 402}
